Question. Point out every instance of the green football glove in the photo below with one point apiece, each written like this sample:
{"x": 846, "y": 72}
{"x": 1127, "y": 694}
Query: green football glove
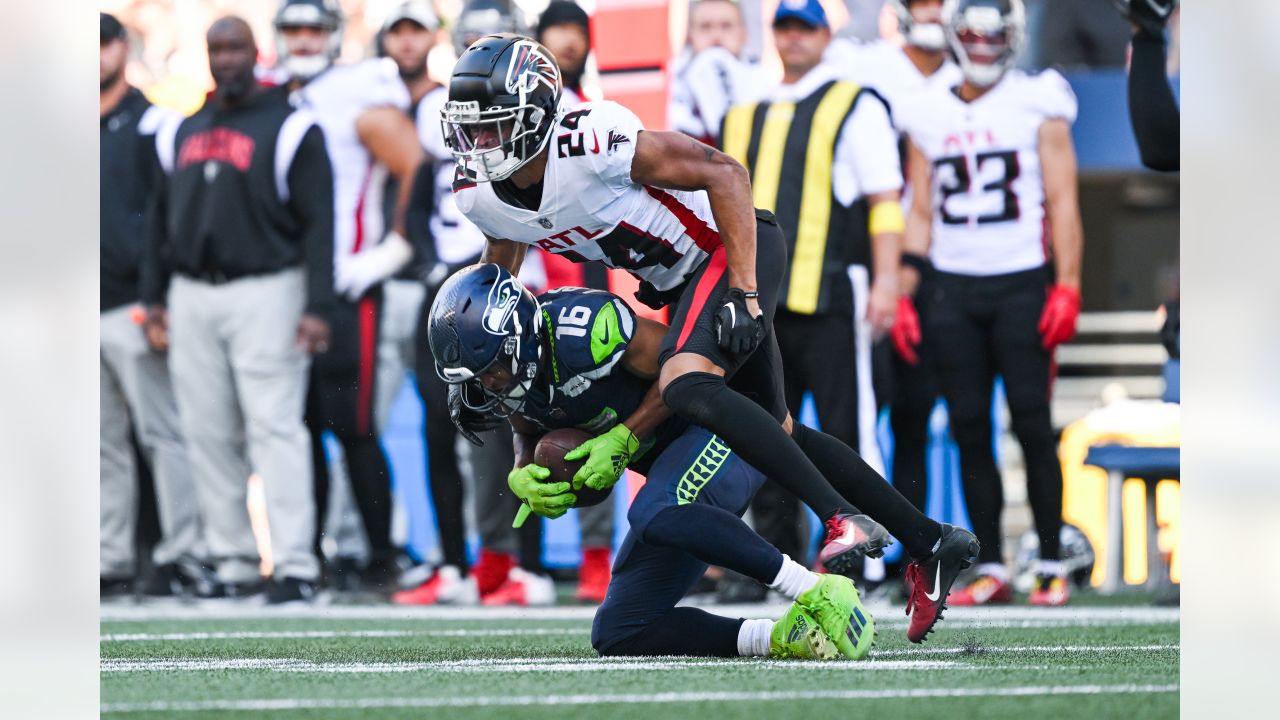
{"x": 550, "y": 500}
{"x": 607, "y": 457}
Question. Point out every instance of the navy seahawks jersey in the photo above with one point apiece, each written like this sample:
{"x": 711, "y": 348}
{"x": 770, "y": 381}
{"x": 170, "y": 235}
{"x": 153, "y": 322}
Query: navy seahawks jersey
{"x": 587, "y": 333}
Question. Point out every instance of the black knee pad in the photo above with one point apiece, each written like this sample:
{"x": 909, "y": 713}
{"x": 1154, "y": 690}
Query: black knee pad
{"x": 691, "y": 394}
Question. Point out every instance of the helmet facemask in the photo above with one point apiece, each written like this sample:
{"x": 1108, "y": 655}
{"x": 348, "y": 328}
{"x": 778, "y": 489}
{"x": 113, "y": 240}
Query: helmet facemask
{"x": 324, "y": 16}
{"x": 924, "y": 35}
{"x": 984, "y": 39}
{"x": 492, "y": 144}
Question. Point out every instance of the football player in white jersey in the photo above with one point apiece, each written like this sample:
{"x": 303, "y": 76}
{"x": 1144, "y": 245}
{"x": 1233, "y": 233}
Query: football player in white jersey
{"x": 361, "y": 109}
{"x": 995, "y": 207}
{"x": 897, "y": 72}
{"x": 591, "y": 184}
{"x": 708, "y": 76}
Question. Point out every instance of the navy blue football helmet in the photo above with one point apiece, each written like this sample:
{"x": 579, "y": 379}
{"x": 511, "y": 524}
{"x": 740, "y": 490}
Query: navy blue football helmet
{"x": 484, "y": 317}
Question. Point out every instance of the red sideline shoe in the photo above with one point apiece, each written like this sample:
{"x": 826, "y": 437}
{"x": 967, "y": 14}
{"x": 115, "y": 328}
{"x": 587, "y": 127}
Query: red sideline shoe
{"x": 1050, "y": 591}
{"x": 492, "y": 570}
{"x": 593, "y": 575}
{"x": 984, "y": 590}
{"x": 930, "y": 580}
{"x": 523, "y": 588}
{"x": 848, "y": 538}
{"x": 446, "y": 587}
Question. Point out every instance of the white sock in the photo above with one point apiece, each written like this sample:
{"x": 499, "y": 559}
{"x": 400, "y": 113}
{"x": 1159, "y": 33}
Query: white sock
{"x": 1051, "y": 567}
{"x": 753, "y": 638}
{"x": 995, "y": 570}
{"x": 793, "y": 579}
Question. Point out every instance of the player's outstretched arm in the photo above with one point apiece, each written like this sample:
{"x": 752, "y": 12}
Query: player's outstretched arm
{"x": 507, "y": 253}
{"x": 678, "y": 162}
{"x": 1058, "y": 168}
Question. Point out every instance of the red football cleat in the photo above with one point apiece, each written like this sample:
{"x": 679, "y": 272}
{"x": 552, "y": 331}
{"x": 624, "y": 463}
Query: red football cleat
{"x": 1050, "y": 591}
{"x": 522, "y": 588}
{"x": 930, "y": 579}
{"x": 594, "y": 575}
{"x": 848, "y": 538}
{"x": 492, "y": 570}
{"x": 446, "y": 587}
{"x": 984, "y": 590}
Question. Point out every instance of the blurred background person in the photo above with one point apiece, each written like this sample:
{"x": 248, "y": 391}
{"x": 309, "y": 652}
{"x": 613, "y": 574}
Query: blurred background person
{"x": 361, "y": 108}
{"x": 244, "y": 220}
{"x": 709, "y": 76}
{"x": 135, "y": 393}
{"x": 1078, "y": 34}
{"x": 1000, "y": 303}
{"x": 823, "y": 158}
{"x": 565, "y": 29}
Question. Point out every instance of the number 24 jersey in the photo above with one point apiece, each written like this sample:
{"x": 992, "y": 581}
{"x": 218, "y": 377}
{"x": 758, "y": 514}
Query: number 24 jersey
{"x": 987, "y": 188}
{"x": 591, "y": 209}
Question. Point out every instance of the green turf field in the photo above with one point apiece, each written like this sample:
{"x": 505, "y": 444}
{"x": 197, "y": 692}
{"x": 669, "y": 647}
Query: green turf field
{"x": 1100, "y": 661}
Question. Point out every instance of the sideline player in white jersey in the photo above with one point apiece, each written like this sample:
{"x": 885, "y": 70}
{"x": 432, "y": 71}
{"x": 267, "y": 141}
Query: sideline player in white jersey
{"x": 591, "y": 184}
{"x": 361, "y": 109}
{"x": 898, "y": 73}
{"x": 709, "y": 76}
{"x": 994, "y": 175}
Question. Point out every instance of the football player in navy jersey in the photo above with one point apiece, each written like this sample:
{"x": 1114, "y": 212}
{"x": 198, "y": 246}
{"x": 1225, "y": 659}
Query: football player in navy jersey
{"x": 581, "y": 358}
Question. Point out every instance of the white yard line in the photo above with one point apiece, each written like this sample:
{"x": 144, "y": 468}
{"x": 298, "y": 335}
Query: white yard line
{"x": 646, "y": 698}
{"x": 296, "y": 665}
{"x": 231, "y": 611}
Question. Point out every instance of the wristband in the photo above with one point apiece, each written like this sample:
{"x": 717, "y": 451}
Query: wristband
{"x": 919, "y": 262}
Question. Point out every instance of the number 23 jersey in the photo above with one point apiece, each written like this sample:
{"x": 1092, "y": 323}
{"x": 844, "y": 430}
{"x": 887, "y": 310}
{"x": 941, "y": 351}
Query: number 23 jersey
{"x": 591, "y": 209}
{"x": 987, "y": 188}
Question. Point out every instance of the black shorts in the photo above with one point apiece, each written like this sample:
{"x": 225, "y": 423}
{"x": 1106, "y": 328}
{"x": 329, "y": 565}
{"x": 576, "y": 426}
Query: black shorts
{"x": 758, "y": 375}
{"x": 341, "y": 394}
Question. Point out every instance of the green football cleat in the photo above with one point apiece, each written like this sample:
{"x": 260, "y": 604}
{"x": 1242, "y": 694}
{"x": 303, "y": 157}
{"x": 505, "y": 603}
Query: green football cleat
{"x": 796, "y": 635}
{"x": 835, "y": 604}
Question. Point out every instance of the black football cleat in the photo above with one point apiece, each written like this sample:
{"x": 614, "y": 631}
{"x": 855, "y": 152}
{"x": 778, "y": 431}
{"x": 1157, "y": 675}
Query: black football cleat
{"x": 849, "y": 538}
{"x": 930, "y": 579}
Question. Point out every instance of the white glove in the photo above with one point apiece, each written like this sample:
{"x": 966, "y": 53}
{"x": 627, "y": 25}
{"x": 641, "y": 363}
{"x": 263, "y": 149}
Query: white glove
{"x": 370, "y": 267}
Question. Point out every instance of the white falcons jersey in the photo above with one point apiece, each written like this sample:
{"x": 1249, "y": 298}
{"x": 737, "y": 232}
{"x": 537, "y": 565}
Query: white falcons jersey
{"x": 988, "y": 191}
{"x": 456, "y": 238}
{"x": 592, "y": 210}
{"x": 704, "y": 87}
{"x": 338, "y": 97}
{"x": 883, "y": 66}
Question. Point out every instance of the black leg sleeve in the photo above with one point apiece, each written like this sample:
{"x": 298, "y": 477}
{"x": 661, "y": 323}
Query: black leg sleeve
{"x": 753, "y": 433}
{"x": 682, "y": 631}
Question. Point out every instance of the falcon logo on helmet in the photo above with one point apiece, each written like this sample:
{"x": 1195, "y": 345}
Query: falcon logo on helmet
{"x": 530, "y": 67}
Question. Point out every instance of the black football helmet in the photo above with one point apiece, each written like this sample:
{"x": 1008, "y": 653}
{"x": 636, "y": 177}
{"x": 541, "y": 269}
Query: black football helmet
{"x": 324, "y": 14}
{"x": 503, "y": 97}
{"x": 985, "y": 36}
{"x": 483, "y": 316}
{"x": 486, "y": 17}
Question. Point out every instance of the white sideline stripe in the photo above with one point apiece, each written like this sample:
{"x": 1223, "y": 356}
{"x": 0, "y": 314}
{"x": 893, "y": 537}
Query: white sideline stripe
{"x": 295, "y": 665}
{"x": 636, "y": 698}
{"x": 308, "y": 634}
{"x": 982, "y": 650}
{"x": 109, "y": 612}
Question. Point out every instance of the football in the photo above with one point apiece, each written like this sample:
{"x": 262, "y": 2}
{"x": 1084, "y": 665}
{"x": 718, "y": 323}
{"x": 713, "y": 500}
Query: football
{"x": 550, "y": 454}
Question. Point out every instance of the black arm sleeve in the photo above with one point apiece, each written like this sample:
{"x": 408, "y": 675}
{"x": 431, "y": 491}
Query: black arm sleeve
{"x": 153, "y": 276}
{"x": 1152, "y": 108}
{"x": 311, "y": 199}
{"x": 417, "y": 219}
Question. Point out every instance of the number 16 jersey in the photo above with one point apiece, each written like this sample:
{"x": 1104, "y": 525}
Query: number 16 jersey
{"x": 591, "y": 209}
{"x": 987, "y": 188}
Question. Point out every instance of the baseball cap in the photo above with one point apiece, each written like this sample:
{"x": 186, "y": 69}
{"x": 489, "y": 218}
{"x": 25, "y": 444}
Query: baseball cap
{"x": 419, "y": 11}
{"x": 809, "y": 12}
{"x": 110, "y": 28}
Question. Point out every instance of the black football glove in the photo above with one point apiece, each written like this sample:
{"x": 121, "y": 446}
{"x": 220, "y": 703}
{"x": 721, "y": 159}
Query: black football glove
{"x": 737, "y": 331}
{"x": 469, "y": 422}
